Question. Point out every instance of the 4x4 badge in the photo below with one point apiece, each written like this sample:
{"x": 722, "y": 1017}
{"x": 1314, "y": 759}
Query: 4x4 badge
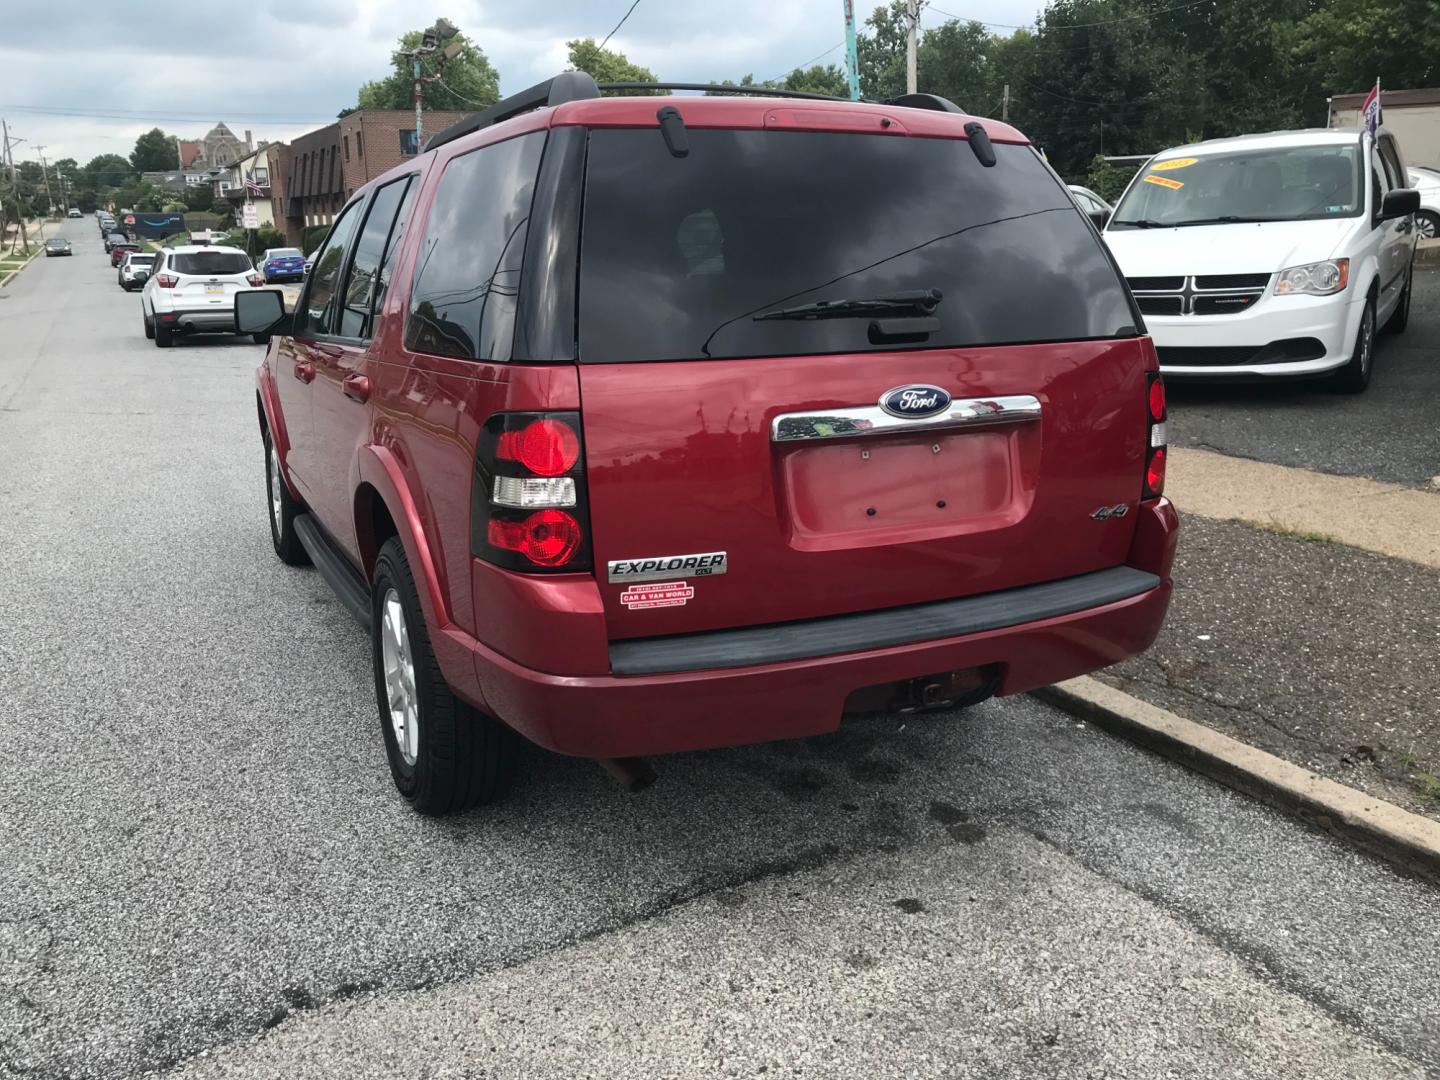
{"x": 1105, "y": 513}
{"x": 708, "y": 564}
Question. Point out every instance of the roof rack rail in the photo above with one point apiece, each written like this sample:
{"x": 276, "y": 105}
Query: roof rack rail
{"x": 756, "y": 91}
{"x": 567, "y": 86}
{"x": 925, "y": 101}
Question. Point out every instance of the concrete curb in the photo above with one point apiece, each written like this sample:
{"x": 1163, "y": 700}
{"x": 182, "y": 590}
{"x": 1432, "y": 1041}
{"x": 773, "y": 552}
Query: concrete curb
{"x": 1378, "y": 827}
{"x": 10, "y": 274}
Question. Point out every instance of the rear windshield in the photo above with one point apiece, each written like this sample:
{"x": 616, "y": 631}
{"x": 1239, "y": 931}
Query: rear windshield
{"x": 679, "y": 254}
{"x": 210, "y": 262}
{"x": 136, "y": 260}
{"x": 285, "y": 253}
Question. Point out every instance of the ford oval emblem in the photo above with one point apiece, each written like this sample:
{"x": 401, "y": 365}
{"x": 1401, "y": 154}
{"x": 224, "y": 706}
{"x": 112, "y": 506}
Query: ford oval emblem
{"x": 915, "y": 401}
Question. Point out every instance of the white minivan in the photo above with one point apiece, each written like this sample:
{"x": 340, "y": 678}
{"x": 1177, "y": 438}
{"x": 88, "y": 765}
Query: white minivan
{"x": 1270, "y": 256}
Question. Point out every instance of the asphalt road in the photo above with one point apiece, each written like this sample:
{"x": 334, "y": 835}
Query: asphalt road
{"x": 204, "y": 870}
{"x": 1389, "y": 432}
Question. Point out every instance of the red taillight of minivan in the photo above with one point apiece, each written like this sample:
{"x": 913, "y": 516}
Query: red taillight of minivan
{"x": 529, "y": 507}
{"x": 1155, "y": 450}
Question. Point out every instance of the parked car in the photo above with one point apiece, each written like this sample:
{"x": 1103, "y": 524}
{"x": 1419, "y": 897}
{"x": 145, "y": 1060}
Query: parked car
{"x": 114, "y": 237}
{"x": 727, "y": 458}
{"x": 107, "y": 226}
{"x": 1426, "y": 180}
{"x": 120, "y": 248}
{"x": 191, "y": 290}
{"x": 1270, "y": 256}
{"x": 57, "y": 245}
{"x": 134, "y": 269}
{"x": 279, "y": 264}
{"x": 72, "y": 212}
{"x": 1093, "y": 206}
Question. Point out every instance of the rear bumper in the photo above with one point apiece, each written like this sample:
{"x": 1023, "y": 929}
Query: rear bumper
{"x": 610, "y": 715}
{"x": 200, "y": 321}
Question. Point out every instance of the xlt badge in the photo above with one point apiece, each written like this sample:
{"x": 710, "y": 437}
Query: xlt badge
{"x": 707, "y": 564}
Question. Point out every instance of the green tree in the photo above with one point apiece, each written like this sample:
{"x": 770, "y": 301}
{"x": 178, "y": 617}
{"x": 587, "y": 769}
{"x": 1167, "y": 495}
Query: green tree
{"x": 818, "y": 79}
{"x": 607, "y": 65}
{"x": 466, "y": 82}
{"x": 880, "y": 53}
{"x": 108, "y": 171}
{"x": 1345, "y": 44}
{"x": 199, "y": 197}
{"x": 952, "y": 60}
{"x": 154, "y": 152}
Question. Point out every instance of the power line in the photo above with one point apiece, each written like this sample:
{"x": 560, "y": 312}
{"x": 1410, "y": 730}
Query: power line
{"x": 1073, "y": 26}
{"x": 812, "y": 60}
{"x": 619, "y": 24}
{"x": 456, "y": 93}
{"x": 172, "y": 116}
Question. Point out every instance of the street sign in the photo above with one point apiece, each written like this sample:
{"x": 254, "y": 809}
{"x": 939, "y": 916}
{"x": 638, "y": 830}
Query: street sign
{"x": 249, "y": 216}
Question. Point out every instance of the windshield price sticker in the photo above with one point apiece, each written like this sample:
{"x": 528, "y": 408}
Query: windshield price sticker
{"x": 1173, "y": 163}
{"x": 661, "y": 594}
{"x": 1165, "y": 182}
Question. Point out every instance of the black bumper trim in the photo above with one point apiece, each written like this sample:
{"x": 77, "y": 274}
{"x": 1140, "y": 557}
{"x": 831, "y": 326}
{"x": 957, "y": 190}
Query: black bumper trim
{"x": 866, "y": 630}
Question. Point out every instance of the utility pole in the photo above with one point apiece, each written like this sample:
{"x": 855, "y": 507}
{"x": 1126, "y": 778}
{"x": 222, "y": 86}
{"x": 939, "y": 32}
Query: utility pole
{"x": 1005, "y": 104}
{"x": 14, "y": 184}
{"x": 852, "y": 62}
{"x": 912, "y": 18}
{"x": 45, "y": 176}
{"x": 419, "y": 122}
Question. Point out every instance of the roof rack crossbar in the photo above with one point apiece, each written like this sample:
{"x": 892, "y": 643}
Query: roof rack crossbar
{"x": 567, "y": 86}
{"x": 756, "y": 91}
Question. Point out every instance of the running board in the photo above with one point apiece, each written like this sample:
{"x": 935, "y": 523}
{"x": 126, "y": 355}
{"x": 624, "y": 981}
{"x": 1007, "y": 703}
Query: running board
{"x": 335, "y": 568}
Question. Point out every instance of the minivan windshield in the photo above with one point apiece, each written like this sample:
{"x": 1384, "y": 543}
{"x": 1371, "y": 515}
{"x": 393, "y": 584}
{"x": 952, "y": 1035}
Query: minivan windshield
{"x": 692, "y": 257}
{"x": 210, "y": 262}
{"x": 1295, "y": 183}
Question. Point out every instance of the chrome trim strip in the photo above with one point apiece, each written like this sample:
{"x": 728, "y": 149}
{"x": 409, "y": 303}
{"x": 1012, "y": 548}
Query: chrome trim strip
{"x": 873, "y": 420}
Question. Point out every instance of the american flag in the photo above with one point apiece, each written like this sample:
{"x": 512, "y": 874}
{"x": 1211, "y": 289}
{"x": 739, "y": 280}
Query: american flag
{"x": 251, "y": 186}
{"x": 1370, "y": 114}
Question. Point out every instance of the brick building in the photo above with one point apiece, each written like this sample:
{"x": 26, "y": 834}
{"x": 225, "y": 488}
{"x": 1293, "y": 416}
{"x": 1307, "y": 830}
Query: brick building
{"x": 327, "y": 165}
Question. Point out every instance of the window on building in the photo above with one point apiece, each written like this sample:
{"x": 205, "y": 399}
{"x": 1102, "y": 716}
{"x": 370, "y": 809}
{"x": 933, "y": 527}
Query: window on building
{"x": 334, "y": 153}
{"x": 408, "y": 143}
{"x": 463, "y": 302}
{"x": 347, "y": 147}
{"x": 359, "y": 144}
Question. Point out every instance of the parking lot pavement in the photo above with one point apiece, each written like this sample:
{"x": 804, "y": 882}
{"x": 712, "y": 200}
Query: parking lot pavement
{"x": 1388, "y": 433}
{"x": 201, "y": 851}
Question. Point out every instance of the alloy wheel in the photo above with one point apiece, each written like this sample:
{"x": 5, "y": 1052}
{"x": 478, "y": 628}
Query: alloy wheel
{"x": 401, "y": 697}
{"x": 1367, "y": 338}
{"x": 275, "y": 481}
{"x": 1426, "y": 227}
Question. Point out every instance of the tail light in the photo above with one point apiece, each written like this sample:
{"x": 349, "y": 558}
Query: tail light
{"x": 529, "y": 503}
{"x": 255, "y": 281}
{"x": 1158, "y": 438}
{"x": 167, "y": 281}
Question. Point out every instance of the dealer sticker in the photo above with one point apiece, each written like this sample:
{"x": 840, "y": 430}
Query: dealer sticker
{"x": 1173, "y": 163}
{"x": 1164, "y": 181}
{"x": 661, "y": 594}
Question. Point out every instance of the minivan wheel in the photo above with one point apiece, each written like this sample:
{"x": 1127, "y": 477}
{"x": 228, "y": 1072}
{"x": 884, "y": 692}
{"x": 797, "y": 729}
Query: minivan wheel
{"x": 1427, "y": 224}
{"x": 1354, "y": 377}
{"x": 1400, "y": 317}
{"x": 283, "y": 510}
{"x": 444, "y": 755}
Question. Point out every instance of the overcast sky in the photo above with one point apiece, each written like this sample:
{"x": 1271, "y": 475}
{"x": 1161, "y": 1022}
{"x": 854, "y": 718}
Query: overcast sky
{"x": 85, "y": 77}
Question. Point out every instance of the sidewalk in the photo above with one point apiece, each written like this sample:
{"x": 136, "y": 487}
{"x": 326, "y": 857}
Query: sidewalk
{"x": 1306, "y": 622}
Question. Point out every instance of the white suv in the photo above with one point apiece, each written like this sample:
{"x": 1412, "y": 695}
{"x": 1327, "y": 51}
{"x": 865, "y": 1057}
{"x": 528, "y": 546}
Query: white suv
{"x": 1269, "y": 256}
{"x": 191, "y": 290}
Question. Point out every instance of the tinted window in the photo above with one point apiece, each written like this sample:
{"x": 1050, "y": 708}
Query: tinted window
{"x": 141, "y": 260}
{"x": 397, "y": 234}
{"x": 463, "y": 303}
{"x": 1297, "y": 183}
{"x": 679, "y": 254}
{"x": 323, "y": 284}
{"x": 355, "y": 313}
{"x": 283, "y": 253}
{"x": 210, "y": 262}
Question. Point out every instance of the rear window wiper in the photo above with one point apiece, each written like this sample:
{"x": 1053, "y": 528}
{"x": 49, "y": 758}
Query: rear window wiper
{"x": 921, "y": 300}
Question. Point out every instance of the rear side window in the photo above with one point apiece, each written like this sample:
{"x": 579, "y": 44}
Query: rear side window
{"x": 463, "y": 301}
{"x": 210, "y": 262}
{"x": 360, "y": 287}
{"x": 678, "y": 255}
{"x": 323, "y": 285}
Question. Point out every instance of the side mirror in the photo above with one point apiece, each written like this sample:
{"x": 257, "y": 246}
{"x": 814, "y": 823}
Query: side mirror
{"x": 1402, "y": 202}
{"x": 260, "y": 311}
{"x": 1101, "y": 218}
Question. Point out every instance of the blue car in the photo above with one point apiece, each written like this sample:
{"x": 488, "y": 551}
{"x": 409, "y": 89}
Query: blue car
{"x": 279, "y": 264}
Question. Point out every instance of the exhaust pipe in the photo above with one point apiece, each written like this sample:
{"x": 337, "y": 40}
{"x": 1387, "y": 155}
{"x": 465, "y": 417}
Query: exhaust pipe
{"x": 631, "y": 773}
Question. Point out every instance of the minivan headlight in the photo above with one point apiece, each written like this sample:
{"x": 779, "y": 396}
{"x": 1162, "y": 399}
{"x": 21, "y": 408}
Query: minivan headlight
{"x": 1317, "y": 279}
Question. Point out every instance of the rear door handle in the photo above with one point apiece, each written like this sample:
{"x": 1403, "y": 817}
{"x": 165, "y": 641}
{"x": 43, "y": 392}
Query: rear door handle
{"x": 357, "y": 388}
{"x": 304, "y": 372}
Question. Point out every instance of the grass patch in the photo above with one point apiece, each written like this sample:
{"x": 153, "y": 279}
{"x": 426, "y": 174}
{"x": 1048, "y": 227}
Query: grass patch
{"x": 1408, "y": 758}
{"x": 1429, "y": 786}
{"x": 1279, "y": 528}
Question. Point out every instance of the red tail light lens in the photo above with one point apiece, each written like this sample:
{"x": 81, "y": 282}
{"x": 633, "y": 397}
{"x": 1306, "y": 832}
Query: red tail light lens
{"x": 546, "y": 537}
{"x": 544, "y": 447}
{"x": 167, "y": 281}
{"x": 255, "y": 281}
{"x": 1155, "y": 474}
{"x": 529, "y": 504}
{"x": 1157, "y": 399}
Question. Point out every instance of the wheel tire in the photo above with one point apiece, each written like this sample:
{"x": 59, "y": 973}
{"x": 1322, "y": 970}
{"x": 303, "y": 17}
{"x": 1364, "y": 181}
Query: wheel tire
{"x": 1427, "y": 224}
{"x": 454, "y": 756}
{"x": 260, "y": 339}
{"x": 1354, "y": 377}
{"x": 1400, "y": 317}
{"x": 284, "y": 508}
{"x": 149, "y": 325}
{"x": 164, "y": 337}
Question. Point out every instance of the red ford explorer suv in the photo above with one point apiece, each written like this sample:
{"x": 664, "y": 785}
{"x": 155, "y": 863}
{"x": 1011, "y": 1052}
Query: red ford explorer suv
{"x": 648, "y": 424}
